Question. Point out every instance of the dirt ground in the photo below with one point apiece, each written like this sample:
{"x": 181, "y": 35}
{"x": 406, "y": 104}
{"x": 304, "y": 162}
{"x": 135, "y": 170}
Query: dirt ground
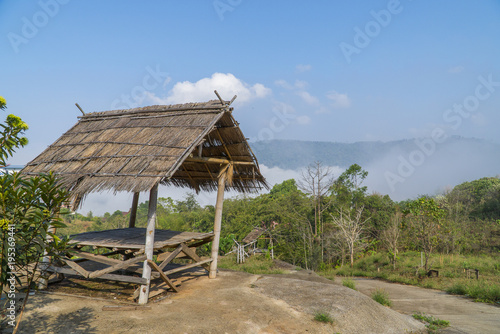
{"x": 234, "y": 302}
{"x": 464, "y": 315}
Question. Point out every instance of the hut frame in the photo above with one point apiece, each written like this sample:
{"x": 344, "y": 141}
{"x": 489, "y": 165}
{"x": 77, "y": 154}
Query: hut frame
{"x": 194, "y": 145}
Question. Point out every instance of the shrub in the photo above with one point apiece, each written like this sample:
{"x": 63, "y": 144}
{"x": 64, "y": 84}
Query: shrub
{"x": 433, "y": 324}
{"x": 323, "y": 317}
{"x": 349, "y": 283}
{"x": 381, "y": 297}
{"x": 481, "y": 290}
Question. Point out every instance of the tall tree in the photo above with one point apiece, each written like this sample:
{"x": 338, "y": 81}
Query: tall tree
{"x": 317, "y": 181}
{"x": 391, "y": 236}
{"x": 347, "y": 188}
{"x": 425, "y": 218}
{"x": 350, "y": 226}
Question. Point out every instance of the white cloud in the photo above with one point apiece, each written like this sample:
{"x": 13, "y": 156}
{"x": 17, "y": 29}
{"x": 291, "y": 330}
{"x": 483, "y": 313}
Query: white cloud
{"x": 203, "y": 90}
{"x": 303, "y": 120}
{"x": 339, "y": 100}
{"x": 456, "y": 69}
{"x": 303, "y": 68}
{"x": 301, "y": 84}
{"x": 283, "y": 84}
{"x": 322, "y": 110}
{"x": 308, "y": 98}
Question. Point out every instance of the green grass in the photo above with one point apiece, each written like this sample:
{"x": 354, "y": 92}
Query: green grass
{"x": 323, "y": 317}
{"x": 480, "y": 290}
{"x": 256, "y": 264}
{"x": 452, "y": 277}
{"x": 433, "y": 324}
{"x": 381, "y": 297}
{"x": 349, "y": 283}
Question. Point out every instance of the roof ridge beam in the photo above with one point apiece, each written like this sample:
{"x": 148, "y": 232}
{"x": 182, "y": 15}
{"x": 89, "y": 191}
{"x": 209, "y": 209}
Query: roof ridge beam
{"x": 219, "y": 161}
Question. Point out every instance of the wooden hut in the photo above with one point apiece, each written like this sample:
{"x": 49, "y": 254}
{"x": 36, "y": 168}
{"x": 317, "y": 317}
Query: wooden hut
{"x": 194, "y": 145}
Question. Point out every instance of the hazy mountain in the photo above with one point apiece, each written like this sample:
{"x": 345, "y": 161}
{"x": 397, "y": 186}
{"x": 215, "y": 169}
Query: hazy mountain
{"x": 402, "y": 169}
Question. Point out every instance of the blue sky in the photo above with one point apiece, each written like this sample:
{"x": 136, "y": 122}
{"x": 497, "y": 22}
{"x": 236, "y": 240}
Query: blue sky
{"x": 311, "y": 70}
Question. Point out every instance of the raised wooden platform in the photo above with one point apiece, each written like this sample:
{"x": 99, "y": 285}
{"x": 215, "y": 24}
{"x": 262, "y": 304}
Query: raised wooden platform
{"x": 133, "y": 238}
{"x": 130, "y": 243}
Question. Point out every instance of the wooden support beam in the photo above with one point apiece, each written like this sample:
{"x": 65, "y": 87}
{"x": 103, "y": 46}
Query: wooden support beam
{"x": 217, "y": 224}
{"x": 77, "y": 268}
{"x": 162, "y": 275}
{"x": 133, "y": 210}
{"x": 121, "y": 265}
{"x": 223, "y": 144}
{"x": 170, "y": 257}
{"x": 193, "y": 184}
{"x": 111, "y": 277}
{"x": 149, "y": 247}
{"x": 192, "y": 254}
{"x": 121, "y": 308}
{"x": 218, "y": 161}
{"x": 96, "y": 258}
{"x": 188, "y": 266}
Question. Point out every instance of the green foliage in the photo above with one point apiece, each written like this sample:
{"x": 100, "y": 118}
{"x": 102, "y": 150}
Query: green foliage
{"x": 349, "y": 283}
{"x": 380, "y": 209}
{"x": 433, "y": 324}
{"x": 31, "y": 206}
{"x": 425, "y": 220}
{"x": 482, "y": 196}
{"x": 3, "y": 103}
{"x": 29, "y": 215}
{"x": 452, "y": 277}
{"x": 323, "y": 317}
{"x": 11, "y": 135}
{"x": 381, "y": 297}
{"x": 347, "y": 188}
{"x": 479, "y": 290}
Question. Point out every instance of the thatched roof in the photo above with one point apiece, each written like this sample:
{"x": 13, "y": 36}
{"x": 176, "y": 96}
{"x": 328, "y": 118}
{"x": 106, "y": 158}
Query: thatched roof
{"x": 132, "y": 150}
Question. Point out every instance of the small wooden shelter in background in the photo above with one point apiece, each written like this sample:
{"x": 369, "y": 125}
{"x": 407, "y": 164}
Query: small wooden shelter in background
{"x": 194, "y": 145}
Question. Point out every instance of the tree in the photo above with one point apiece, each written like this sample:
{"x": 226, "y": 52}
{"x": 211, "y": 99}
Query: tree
{"x": 380, "y": 209}
{"x": 29, "y": 215}
{"x": 425, "y": 218}
{"x": 347, "y": 188}
{"x": 350, "y": 227}
{"x": 316, "y": 181}
{"x": 11, "y": 135}
{"x": 391, "y": 236}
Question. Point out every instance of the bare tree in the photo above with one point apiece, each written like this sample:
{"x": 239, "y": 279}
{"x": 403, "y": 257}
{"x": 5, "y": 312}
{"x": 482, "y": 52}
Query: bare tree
{"x": 317, "y": 181}
{"x": 391, "y": 236}
{"x": 350, "y": 227}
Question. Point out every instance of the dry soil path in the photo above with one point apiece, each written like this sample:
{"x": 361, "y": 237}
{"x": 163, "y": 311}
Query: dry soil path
{"x": 464, "y": 315}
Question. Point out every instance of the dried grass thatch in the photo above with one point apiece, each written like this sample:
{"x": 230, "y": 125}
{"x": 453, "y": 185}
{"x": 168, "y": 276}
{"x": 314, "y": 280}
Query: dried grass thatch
{"x": 184, "y": 145}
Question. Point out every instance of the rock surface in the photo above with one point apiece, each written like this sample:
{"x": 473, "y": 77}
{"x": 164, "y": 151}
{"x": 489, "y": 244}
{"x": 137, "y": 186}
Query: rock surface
{"x": 234, "y": 302}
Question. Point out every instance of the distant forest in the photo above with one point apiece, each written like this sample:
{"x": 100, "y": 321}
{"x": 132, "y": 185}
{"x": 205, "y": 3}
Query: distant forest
{"x": 320, "y": 221}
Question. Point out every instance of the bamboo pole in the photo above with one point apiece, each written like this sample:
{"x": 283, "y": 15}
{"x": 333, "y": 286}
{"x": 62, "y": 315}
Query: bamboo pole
{"x": 133, "y": 210}
{"x": 150, "y": 240}
{"x": 217, "y": 224}
{"x": 219, "y": 161}
{"x": 43, "y": 282}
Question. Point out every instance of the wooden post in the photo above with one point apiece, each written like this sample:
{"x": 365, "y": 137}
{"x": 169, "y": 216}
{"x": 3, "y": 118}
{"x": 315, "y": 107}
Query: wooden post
{"x": 150, "y": 240}
{"x": 43, "y": 282}
{"x": 133, "y": 210}
{"x": 217, "y": 224}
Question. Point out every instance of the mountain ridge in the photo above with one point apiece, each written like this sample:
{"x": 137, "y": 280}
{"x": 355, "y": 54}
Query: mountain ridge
{"x": 296, "y": 154}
